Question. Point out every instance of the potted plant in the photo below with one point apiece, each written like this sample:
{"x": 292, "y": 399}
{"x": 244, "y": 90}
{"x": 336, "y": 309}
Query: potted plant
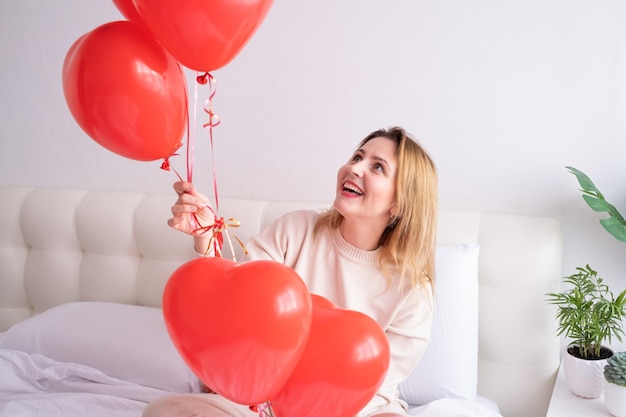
{"x": 588, "y": 313}
{"x": 615, "y": 384}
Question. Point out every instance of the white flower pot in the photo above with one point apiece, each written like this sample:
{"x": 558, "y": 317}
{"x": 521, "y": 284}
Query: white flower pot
{"x": 584, "y": 377}
{"x": 615, "y": 399}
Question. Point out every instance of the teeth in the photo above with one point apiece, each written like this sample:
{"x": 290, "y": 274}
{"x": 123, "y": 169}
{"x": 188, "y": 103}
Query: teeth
{"x": 352, "y": 188}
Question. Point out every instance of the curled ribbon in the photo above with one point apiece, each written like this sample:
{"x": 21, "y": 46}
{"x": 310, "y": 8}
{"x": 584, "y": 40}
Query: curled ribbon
{"x": 214, "y": 121}
{"x": 220, "y": 225}
{"x": 218, "y": 229}
{"x": 264, "y": 409}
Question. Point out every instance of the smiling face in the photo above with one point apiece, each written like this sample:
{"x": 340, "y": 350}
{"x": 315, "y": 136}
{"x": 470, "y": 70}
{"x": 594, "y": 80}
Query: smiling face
{"x": 366, "y": 184}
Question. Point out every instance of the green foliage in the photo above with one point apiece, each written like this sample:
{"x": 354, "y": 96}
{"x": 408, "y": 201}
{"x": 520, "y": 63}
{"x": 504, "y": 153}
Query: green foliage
{"x": 615, "y": 369}
{"x": 588, "y": 313}
{"x": 615, "y": 224}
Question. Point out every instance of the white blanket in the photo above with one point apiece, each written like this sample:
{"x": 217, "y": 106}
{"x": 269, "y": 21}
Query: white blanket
{"x": 37, "y": 386}
{"x": 33, "y": 385}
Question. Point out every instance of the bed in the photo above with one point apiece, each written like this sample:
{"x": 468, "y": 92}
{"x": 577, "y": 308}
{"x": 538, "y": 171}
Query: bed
{"x": 83, "y": 271}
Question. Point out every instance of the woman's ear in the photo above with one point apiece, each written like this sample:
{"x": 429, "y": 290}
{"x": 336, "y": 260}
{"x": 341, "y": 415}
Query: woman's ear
{"x": 393, "y": 211}
{"x": 393, "y": 220}
{"x": 393, "y": 216}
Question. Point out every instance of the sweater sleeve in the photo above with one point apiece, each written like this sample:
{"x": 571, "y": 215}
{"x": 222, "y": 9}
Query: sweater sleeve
{"x": 282, "y": 241}
{"x": 408, "y": 336}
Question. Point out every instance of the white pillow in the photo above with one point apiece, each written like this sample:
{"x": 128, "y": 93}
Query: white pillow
{"x": 449, "y": 367}
{"x": 127, "y": 342}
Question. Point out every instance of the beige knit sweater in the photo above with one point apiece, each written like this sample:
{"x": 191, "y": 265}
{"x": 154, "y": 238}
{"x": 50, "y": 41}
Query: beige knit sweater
{"x": 351, "y": 278}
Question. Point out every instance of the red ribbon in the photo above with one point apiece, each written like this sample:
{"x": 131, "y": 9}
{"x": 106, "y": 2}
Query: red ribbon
{"x": 220, "y": 225}
{"x": 214, "y": 121}
{"x": 218, "y": 228}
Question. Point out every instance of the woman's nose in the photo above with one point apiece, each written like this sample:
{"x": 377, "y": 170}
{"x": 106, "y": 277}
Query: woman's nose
{"x": 357, "y": 168}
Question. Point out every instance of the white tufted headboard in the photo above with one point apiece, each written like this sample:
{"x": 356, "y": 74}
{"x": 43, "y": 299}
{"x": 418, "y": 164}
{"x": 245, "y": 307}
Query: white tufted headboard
{"x": 61, "y": 245}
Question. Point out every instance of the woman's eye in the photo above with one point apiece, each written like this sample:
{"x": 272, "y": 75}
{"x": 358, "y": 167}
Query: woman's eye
{"x": 379, "y": 167}
{"x": 356, "y": 158}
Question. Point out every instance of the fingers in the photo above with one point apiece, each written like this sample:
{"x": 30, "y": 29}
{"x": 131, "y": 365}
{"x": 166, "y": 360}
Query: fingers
{"x": 187, "y": 194}
{"x": 190, "y": 202}
{"x": 182, "y": 187}
{"x": 186, "y": 187}
{"x": 174, "y": 223}
{"x": 187, "y": 203}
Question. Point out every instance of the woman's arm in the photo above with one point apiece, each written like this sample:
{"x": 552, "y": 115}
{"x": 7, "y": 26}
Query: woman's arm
{"x": 408, "y": 336}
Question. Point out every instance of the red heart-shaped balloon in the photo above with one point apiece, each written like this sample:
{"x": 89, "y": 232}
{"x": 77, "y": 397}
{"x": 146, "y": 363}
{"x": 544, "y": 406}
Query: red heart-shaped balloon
{"x": 128, "y": 10}
{"x": 343, "y": 365}
{"x": 203, "y": 35}
{"x": 126, "y": 91}
{"x": 240, "y": 328}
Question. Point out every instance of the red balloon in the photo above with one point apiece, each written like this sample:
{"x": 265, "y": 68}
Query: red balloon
{"x": 128, "y": 10}
{"x": 203, "y": 35}
{"x": 343, "y": 365}
{"x": 126, "y": 91}
{"x": 240, "y": 328}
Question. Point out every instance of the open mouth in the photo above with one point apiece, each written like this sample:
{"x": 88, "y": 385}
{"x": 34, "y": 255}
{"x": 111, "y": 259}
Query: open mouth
{"x": 351, "y": 188}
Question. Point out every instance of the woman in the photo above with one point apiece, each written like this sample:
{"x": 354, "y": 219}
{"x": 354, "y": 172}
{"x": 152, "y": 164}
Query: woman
{"x": 372, "y": 252}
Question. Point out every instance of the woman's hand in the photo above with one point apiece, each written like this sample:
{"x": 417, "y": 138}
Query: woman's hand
{"x": 191, "y": 212}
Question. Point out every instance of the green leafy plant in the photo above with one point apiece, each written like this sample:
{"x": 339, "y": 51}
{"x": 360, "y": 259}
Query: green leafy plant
{"x": 615, "y": 223}
{"x": 588, "y": 313}
{"x": 615, "y": 369}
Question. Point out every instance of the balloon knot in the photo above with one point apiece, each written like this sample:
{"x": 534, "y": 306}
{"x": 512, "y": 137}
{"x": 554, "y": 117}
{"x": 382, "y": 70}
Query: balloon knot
{"x": 166, "y": 164}
{"x": 264, "y": 409}
{"x": 203, "y": 78}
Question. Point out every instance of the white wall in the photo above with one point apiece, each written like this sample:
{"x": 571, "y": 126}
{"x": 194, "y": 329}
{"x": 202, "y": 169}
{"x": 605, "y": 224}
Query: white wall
{"x": 503, "y": 94}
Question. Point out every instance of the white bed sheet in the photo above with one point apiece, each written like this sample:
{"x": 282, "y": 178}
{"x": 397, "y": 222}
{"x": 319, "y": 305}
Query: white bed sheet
{"x": 449, "y": 407}
{"x": 33, "y": 385}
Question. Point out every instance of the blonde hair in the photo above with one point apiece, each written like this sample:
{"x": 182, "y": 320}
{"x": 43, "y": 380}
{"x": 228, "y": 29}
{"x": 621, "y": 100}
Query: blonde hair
{"x": 408, "y": 242}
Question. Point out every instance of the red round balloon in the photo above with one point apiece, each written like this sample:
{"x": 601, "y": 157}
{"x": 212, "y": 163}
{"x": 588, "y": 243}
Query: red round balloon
{"x": 240, "y": 328}
{"x": 343, "y": 365}
{"x": 126, "y": 91}
{"x": 203, "y": 35}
